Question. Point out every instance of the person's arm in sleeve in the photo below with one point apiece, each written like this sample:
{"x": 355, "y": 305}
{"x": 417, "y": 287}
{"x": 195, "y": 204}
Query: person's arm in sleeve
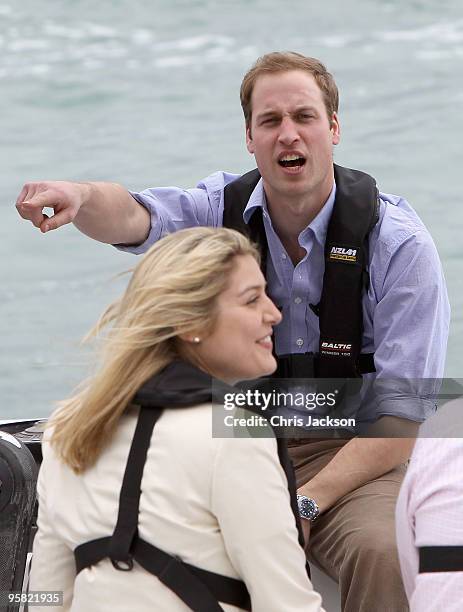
{"x": 132, "y": 221}
{"x": 53, "y": 564}
{"x": 433, "y": 509}
{"x": 411, "y": 323}
{"x": 103, "y": 211}
{"x": 250, "y": 499}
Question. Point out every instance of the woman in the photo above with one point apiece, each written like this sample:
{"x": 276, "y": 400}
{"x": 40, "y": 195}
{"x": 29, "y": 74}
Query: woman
{"x": 195, "y": 308}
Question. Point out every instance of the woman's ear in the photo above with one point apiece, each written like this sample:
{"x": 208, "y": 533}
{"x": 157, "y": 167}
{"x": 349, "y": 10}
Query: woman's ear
{"x": 190, "y": 337}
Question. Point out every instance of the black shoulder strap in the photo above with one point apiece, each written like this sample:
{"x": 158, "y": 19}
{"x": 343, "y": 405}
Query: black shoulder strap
{"x": 440, "y": 559}
{"x": 288, "y": 469}
{"x": 236, "y": 196}
{"x": 355, "y": 213}
{"x": 129, "y": 499}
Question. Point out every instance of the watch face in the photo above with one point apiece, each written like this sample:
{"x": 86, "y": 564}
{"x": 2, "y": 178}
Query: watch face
{"x": 307, "y": 508}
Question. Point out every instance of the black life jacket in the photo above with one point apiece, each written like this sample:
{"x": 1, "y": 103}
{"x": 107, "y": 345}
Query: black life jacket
{"x": 355, "y": 213}
{"x": 178, "y": 386}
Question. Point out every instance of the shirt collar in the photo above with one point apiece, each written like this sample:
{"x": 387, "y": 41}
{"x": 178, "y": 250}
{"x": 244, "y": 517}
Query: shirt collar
{"x": 257, "y": 200}
{"x": 318, "y": 225}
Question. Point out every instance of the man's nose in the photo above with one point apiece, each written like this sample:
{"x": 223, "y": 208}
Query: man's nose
{"x": 288, "y": 131}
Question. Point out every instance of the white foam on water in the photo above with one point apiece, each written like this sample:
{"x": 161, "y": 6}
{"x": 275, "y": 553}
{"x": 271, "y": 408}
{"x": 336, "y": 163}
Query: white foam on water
{"x": 444, "y": 32}
{"x": 48, "y": 285}
{"x": 218, "y": 53}
{"x": 132, "y": 64}
{"x": 249, "y": 52}
{"x": 92, "y": 64}
{"x": 31, "y": 70}
{"x": 195, "y": 43}
{"x": 439, "y": 54}
{"x": 142, "y": 37}
{"x": 337, "y": 41}
{"x": 54, "y": 29}
{"x": 178, "y": 61}
{"x": 105, "y": 51}
{"x": 28, "y": 44}
{"x": 96, "y": 51}
{"x": 96, "y": 29}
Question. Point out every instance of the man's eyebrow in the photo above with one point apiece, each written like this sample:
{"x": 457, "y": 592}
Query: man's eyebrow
{"x": 268, "y": 113}
{"x": 304, "y": 107}
{"x": 276, "y": 113}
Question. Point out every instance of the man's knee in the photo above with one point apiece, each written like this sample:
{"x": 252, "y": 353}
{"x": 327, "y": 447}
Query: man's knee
{"x": 374, "y": 546}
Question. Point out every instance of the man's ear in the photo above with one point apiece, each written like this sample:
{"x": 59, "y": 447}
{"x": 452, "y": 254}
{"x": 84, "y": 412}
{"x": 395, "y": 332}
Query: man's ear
{"x": 335, "y": 129}
{"x": 249, "y": 142}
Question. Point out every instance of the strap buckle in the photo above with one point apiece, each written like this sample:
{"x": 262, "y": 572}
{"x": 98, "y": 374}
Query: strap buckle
{"x": 123, "y": 565}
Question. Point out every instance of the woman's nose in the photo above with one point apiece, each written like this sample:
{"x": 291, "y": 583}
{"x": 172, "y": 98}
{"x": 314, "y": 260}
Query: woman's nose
{"x": 272, "y": 314}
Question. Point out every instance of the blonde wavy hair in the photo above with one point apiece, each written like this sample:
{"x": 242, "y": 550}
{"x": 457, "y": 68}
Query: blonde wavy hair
{"x": 172, "y": 291}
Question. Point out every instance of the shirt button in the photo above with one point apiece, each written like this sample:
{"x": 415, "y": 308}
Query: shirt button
{"x": 283, "y": 256}
{"x": 297, "y": 300}
{"x": 299, "y": 342}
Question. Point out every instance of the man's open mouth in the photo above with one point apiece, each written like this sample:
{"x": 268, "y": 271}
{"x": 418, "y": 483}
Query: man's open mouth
{"x": 291, "y": 161}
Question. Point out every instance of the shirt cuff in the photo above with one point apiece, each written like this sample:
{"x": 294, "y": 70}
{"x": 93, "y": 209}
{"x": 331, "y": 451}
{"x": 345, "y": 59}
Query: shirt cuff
{"x": 416, "y": 409}
{"x": 154, "y": 233}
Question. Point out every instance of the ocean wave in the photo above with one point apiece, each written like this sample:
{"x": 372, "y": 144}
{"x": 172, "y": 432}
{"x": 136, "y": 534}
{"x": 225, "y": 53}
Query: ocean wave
{"x": 142, "y": 37}
{"x": 53, "y": 29}
{"x": 195, "y": 43}
{"x": 176, "y": 61}
{"x": 29, "y": 44}
{"x": 443, "y": 32}
{"x": 96, "y": 46}
{"x": 338, "y": 41}
{"x": 439, "y": 54}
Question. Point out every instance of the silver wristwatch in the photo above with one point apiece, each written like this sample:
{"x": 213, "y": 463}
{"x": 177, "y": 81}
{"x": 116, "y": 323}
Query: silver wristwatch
{"x": 308, "y": 508}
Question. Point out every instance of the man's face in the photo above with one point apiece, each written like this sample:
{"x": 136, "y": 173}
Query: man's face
{"x": 291, "y": 136}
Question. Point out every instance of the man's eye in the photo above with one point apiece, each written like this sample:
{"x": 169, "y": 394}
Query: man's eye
{"x": 269, "y": 121}
{"x": 305, "y": 116}
{"x": 253, "y": 300}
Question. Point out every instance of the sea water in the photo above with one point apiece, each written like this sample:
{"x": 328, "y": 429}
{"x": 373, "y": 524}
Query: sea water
{"x": 145, "y": 93}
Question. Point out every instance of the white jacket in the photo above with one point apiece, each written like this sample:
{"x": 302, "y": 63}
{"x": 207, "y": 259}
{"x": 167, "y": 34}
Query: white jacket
{"x": 219, "y": 504}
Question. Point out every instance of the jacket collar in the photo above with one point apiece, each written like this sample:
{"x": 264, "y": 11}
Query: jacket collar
{"x": 178, "y": 385}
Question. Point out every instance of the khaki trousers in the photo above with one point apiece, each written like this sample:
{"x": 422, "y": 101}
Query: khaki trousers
{"x": 354, "y": 542}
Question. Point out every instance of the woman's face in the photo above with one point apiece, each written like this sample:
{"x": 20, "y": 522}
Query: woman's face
{"x": 239, "y": 347}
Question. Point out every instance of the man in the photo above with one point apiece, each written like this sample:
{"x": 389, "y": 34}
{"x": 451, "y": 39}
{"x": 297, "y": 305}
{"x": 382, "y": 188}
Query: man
{"x": 290, "y": 104}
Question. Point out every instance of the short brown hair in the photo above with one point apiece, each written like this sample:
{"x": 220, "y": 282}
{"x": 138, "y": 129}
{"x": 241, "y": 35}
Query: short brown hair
{"x": 281, "y": 62}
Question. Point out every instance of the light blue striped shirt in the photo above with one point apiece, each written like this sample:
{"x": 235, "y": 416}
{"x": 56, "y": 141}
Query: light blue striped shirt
{"x": 405, "y": 311}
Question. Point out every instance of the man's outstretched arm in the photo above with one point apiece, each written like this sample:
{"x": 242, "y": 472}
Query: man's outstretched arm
{"x": 103, "y": 211}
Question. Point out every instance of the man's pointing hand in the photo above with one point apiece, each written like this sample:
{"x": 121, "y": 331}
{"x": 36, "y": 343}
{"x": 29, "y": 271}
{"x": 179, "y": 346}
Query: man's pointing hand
{"x": 63, "y": 197}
